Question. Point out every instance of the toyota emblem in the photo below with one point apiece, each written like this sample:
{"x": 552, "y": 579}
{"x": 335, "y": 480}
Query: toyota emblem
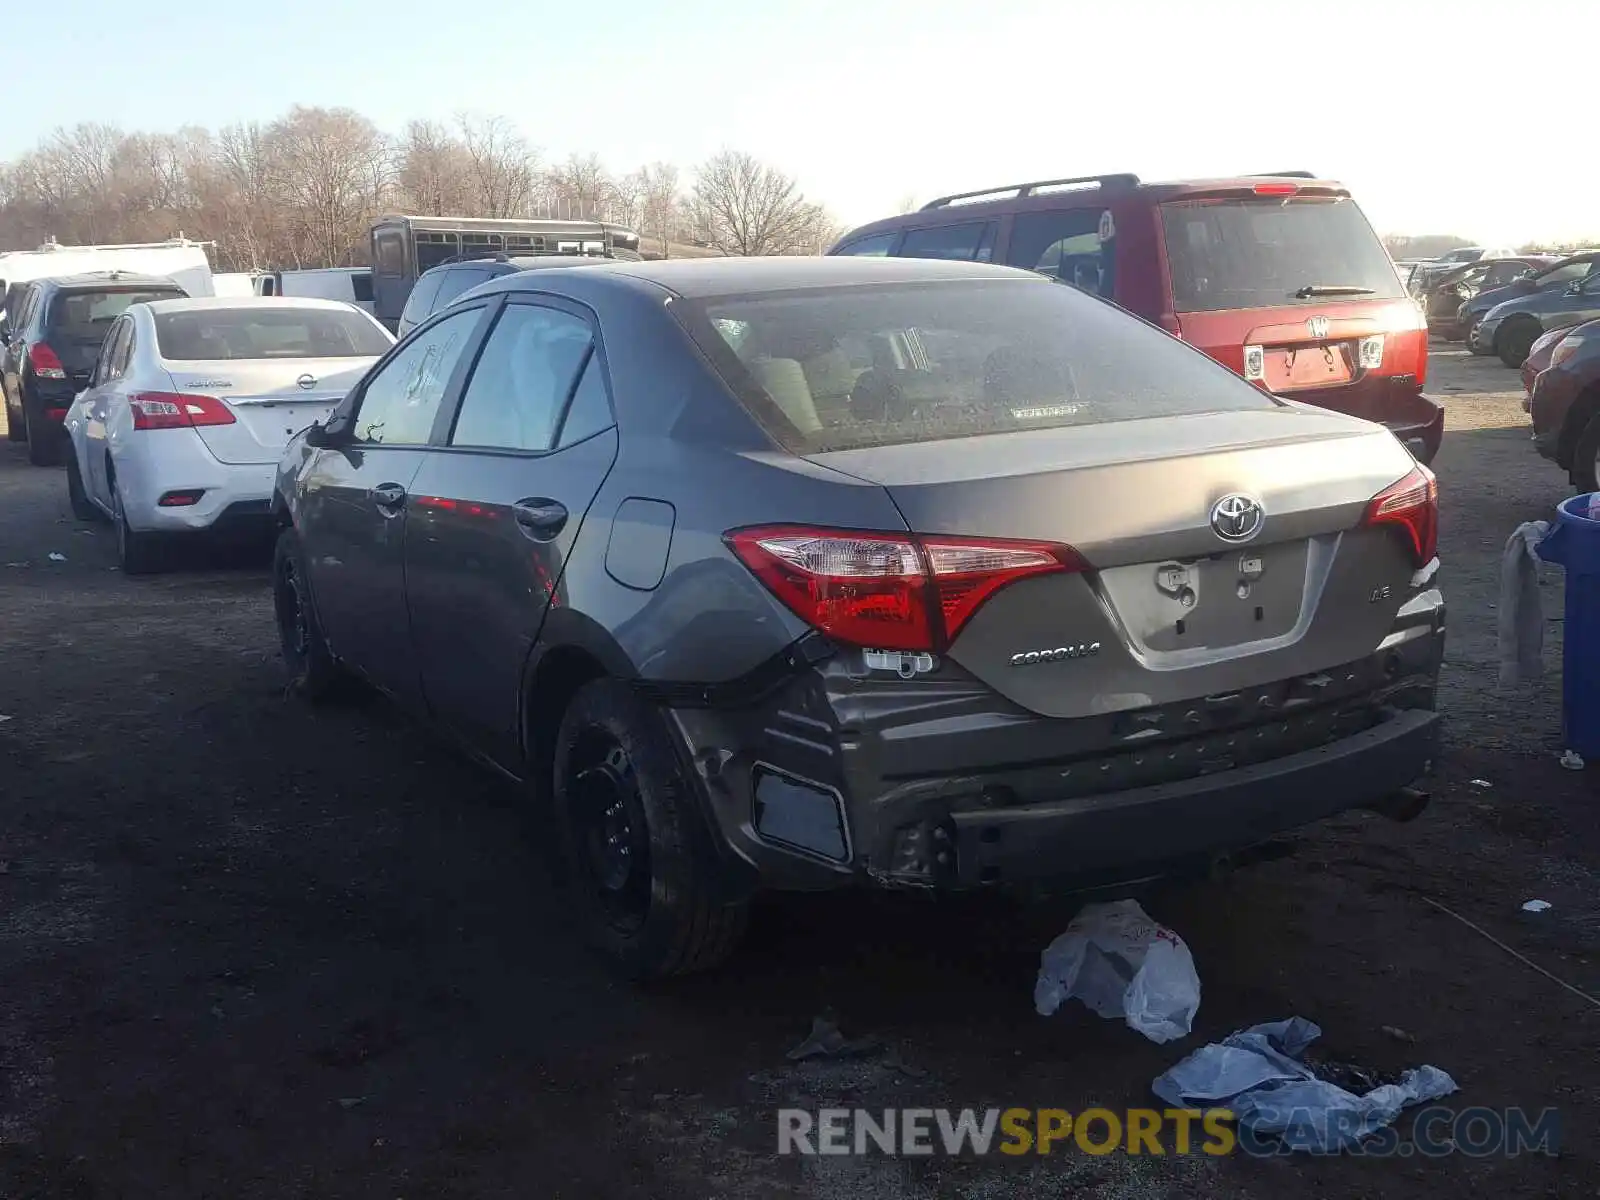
{"x": 1237, "y": 518}
{"x": 307, "y": 382}
{"x": 1318, "y": 327}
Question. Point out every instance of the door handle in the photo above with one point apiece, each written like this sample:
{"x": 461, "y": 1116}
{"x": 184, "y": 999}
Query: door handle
{"x": 540, "y": 519}
{"x": 390, "y": 499}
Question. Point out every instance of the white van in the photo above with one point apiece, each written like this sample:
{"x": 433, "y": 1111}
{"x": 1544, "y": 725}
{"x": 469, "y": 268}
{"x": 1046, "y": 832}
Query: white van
{"x": 353, "y": 285}
{"x": 180, "y": 260}
{"x": 233, "y": 283}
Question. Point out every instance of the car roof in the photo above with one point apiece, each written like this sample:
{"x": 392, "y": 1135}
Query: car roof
{"x": 202, "y": 303}
{"x": 92, "y": 279}
{"x": 695, "y": 277}
{"x": 1038, "y": 196}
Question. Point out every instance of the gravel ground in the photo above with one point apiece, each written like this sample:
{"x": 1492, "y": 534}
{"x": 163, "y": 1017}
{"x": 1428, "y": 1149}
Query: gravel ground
{"x": 248, "y": 951}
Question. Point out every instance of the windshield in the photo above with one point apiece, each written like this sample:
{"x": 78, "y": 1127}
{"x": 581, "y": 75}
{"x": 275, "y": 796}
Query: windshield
{"x": 1261, "y": 253}
{"x": 85, "y": 316}
{"x": 841, "y": 368}
{"x": 267, "y": 332}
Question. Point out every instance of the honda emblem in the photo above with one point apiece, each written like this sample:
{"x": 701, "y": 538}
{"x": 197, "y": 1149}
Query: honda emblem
{"x": 1318, "y": 327}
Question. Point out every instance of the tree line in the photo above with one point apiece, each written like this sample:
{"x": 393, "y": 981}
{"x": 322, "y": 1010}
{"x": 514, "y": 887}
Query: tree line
{"x": 303, "y": 190}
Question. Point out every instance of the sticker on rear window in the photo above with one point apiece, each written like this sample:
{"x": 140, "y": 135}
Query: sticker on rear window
{"x": 1108, "y": 227}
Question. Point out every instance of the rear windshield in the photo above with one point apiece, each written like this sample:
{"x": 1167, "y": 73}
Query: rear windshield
{"x": 267, "y": 332}
{"x": 85, "y": 316}
{"x": 842, "y": 368}
{"x": 1260, "y": 253}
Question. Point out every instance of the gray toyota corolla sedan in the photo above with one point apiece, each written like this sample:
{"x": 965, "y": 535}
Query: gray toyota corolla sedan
{"x": 802, "y": 573}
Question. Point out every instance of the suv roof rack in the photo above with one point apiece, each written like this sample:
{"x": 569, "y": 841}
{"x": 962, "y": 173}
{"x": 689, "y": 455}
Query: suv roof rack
{"x": 1284, "y": 175}
{"x": 1027, "y": 189}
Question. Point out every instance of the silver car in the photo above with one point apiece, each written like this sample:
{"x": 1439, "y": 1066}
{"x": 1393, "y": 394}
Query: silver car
{"x": 829, "y": 572}
{"x": 190, "y": 405}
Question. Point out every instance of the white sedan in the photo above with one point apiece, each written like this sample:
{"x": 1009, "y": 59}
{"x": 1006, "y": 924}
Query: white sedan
{"x": 191, "y": 403}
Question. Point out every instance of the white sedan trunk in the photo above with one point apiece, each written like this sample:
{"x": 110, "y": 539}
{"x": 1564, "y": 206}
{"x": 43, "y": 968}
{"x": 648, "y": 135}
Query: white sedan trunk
{"x": 271, "y": 399}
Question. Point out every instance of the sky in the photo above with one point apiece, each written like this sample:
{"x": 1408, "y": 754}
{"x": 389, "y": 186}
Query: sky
{"x": 1435, "y": 121}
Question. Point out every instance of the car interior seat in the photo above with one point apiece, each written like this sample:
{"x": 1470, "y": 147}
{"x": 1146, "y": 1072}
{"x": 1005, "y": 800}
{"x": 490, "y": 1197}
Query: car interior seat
{"x": 785, "y": 381}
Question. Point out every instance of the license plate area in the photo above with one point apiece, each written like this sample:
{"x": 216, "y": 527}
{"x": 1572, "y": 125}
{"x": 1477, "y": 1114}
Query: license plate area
{"x": 1320, "y": 365}
{"x": 1226, "y": 599}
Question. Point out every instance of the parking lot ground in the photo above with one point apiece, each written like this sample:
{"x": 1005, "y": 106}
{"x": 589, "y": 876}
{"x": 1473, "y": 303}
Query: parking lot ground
{"x": 248, "y": 950}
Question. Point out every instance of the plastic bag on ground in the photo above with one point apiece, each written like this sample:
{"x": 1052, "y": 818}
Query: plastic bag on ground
{"x": 1121, "y": 963}
{"x": 1257, "y": 1073}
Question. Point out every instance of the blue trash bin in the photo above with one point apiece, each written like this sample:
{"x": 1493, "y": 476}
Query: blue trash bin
{"x": 1575, "y": 544}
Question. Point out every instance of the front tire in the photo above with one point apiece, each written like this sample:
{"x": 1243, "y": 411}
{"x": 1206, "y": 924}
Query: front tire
{"x": 313, "y": 670}
{"x": 1515, "y": 340}
{"x": 82, "y": 507}
{"x": 633, "y": 840}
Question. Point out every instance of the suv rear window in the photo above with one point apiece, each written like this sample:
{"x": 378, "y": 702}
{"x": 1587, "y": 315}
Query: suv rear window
{"x": 842, "y": 368}
{"x": 1258, "y": 253}
{"x": 266, "y": 332}
{"x": 85, "y": 316}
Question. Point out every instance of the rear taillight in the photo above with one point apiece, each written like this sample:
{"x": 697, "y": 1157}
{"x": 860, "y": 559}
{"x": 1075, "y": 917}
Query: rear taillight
{"x": 889, "y": 591}
{"x": 46, "y": 363}
{"x": 177, "y": 410}
{"x": 1411, "y": 507}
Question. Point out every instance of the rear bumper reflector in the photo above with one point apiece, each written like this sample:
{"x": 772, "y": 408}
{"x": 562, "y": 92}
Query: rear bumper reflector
{"x": 181, "y": 499}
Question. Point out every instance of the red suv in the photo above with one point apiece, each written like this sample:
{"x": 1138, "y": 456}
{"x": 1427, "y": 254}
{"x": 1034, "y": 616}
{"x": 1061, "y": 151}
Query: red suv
{"x": 1277, "y": 276}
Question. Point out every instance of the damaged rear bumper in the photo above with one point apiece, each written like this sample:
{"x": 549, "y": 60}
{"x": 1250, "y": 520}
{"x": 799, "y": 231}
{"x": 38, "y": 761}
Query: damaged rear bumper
{"x": 835, "y": 779}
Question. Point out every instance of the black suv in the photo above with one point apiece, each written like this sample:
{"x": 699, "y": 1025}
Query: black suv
{"x": 443, "y": 285}
{"x": 51, "y": 342}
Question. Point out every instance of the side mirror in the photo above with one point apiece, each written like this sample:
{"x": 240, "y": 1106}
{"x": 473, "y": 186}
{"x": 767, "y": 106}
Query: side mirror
{"x": 317, "y": 436}
{"x": 1575, "y": 288}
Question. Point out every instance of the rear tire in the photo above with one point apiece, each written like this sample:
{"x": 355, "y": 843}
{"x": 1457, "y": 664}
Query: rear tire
{"x": 313, "y": 670}
{"x": 633, "y": 839}
{"x": 1513, "y": 341}
{"x": 44, "y": 449}
{"x": 137, "y": 553}
{"x": 1586, "y": 457}
{"x": 82, "y": 507}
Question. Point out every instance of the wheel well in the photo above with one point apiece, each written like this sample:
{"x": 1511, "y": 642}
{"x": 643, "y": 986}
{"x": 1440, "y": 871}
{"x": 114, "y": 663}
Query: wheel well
{"x": 556, "y": 679}
{"x": 1583, "y": 410}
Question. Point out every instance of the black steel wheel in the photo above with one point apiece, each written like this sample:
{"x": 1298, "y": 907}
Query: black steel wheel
{"x": 636, "y": 841}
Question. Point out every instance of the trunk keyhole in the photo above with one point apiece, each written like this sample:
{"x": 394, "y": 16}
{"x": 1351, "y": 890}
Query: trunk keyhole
{"x": 1260, "y": 612}
{"x": 1180, "y": 628}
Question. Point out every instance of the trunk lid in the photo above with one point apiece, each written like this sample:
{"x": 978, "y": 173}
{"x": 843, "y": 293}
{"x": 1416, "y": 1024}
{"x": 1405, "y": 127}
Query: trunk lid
{"x": 1169, "y": 609}
{"x": 270, "y": 401}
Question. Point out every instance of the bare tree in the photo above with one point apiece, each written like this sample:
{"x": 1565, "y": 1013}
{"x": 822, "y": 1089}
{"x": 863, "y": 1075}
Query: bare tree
{"x": 908, "y": 204}
{"x": 334, "y": 166}
{"x": 503, "y": 167}
{"x": 743, "y": 206}
{"x": 658, "y": 210}
{"x": 432, "y": 168}
{"x": 579, "y": 187}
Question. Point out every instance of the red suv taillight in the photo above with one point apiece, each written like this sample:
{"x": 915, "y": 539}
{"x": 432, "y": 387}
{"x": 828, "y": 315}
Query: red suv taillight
{"x": 1411, "y": 506}
{"x": 890, "y": 591}
{"x": 46, "y": 363}
{"x": 177, "y": 410}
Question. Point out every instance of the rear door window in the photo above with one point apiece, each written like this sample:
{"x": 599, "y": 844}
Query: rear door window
{"x": 1226, "y": 253}
{"x": 969, "y": 242}
{"x": 523, "y": 379}
{"x": 1068, "y": 246}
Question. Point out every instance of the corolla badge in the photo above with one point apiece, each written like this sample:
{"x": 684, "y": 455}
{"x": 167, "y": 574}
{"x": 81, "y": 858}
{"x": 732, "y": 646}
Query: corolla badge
{"x": 1237, "y": 517}
{"x": 1317, "y": 327}
{"x": 1059, "y": 654}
